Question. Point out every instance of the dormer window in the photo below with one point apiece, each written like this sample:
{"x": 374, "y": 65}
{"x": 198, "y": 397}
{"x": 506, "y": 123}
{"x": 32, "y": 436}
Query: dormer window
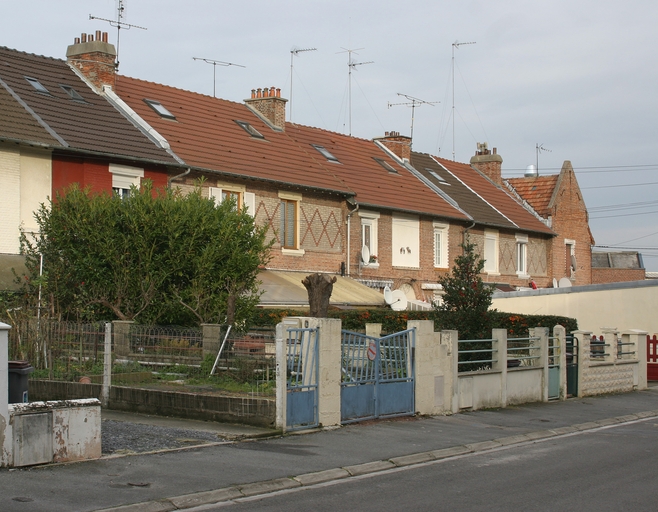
{"x": 160, "y": 109}
{"x": 385, "y": 165}
{"x": 325, "y": 153}
{"x": 250, "y": 129}
{"x": 72, "y": 93}
{"x": 37, "y": 85}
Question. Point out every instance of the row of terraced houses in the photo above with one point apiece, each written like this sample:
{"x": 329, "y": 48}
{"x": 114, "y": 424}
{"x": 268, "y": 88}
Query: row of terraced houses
{"x": 373, "y": 212}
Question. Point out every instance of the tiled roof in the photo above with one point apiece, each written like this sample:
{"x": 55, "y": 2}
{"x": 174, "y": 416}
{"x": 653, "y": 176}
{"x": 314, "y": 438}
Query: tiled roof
{"x": 89, "y": 124}
{"x": 537, "y": 191}
{"x": 373, "y": 184}
{"x": 495, "y": 196}
{"x": 16, "y": 123}
{"x": 206, "y": 136}
{"x": 481, "y": 211}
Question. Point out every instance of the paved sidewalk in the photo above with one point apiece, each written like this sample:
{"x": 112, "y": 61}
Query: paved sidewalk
{"x": 181, "y": 479}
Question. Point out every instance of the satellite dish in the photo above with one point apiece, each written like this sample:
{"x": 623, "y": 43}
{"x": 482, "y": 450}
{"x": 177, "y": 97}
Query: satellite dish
{"x": 573, "y": 261}
{"x": 555, "y": 283}
{"x": 388, "y": 296}
{"x": 365, "y": 255}
{"x": 565, "y": 282}
{"x": 399, "y": 300}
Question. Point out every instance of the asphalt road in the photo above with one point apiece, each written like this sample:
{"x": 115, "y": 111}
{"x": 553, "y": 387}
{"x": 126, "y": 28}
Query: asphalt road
{"x": 613, "y": 468}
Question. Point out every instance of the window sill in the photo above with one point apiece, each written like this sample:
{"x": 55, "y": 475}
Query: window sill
{"x": 293, "y": 252}
{"x": 370, "y": 265}
{"x": 522, "y": 275}
{"x": 491, "y": 273}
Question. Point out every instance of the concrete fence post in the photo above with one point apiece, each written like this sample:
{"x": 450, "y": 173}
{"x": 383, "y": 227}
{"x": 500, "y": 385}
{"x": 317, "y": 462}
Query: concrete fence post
{"x": 542, "y": 352}
{"x": 612, "y": 349}
{"x": 430, "y": 378}
{"x": 639, "y": 346}
{"x": 121, "y": 330}
{"x": 330, "y": 370}
{"x": 450, "y": 340}
{"x": 560, "y": 341}
{"x": 583, "y": 358}
{"x": 281, "y": 376}
{"x": 499, "y": 356}
{"x": 211, "y": 334}
{"x": 374, "y": 330}
{"x": 6, "y": 441}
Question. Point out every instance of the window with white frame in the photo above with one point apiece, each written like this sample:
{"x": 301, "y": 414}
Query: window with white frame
{"x": 522, "y": 255}
{"x": 491, "y": 251}
{"x": 289, "y": 222}
{"x": 124, "y": 177}
{"x": 242, "y": 198}
{"x": 440, "y": 245}
{"x": 369, "y": 234}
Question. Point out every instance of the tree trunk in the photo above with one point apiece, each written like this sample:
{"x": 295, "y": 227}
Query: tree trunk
{"x": 319, "y": 288}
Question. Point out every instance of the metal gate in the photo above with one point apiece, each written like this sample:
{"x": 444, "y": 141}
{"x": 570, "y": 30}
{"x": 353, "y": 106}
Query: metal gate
{"x": 572, "y": 365}
{"x": 377, "y": 376}
{"x": 554, "y": 352}
{"x": 302, "y": 370}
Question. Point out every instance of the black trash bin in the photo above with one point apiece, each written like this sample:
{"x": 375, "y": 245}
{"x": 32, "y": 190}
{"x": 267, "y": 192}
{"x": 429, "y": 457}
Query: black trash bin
{"x": 18, "y": 373}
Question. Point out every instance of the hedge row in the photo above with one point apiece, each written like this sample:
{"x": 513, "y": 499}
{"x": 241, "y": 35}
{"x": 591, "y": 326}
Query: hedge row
{"x": 393, "y": 321}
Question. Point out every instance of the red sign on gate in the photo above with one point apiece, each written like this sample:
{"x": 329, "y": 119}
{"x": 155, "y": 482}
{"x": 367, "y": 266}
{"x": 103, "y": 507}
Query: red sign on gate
{"x": 372, "y": 350}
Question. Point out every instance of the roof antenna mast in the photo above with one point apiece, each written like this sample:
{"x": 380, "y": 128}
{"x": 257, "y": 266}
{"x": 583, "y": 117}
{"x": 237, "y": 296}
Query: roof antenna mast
{"x": 214, "y": 67}
{"x": 119, "y": 24}
{"x": 413, "y": 102}
{"x": 295, "y": 53}
{"x": 456, "y": 45}
{"x": 538, "y": 149}
{"x": 352, "y": 65}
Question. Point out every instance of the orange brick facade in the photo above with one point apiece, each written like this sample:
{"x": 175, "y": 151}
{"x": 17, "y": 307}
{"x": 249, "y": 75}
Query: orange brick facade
{"x": 617, "y": 275}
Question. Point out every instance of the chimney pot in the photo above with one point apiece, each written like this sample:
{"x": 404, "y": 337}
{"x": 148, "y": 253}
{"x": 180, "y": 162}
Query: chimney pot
{"x": 83, "y": 38}
{"x": 278, "y": 93}
{"x": 98, "y": 35}
{"x": 105, "y": 37}
{"x": 253, "y": 93}
{"x": 76, "y": 40}
{"x": 258, "y": 93}
{"x": 90, "y": 38}
{"x": 272, "y": 92}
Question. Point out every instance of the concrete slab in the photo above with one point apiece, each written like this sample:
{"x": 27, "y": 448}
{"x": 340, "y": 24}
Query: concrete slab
{"x": 369, "y": 467}
{"x": 322, "y": 476}
{"x": 206, "y": 498}
{"x": 278, "y": 484}
{"x": 408, "y": 460}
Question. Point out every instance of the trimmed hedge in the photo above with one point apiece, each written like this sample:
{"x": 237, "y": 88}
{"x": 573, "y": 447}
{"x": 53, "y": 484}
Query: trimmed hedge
{"x": 394, "y": 321}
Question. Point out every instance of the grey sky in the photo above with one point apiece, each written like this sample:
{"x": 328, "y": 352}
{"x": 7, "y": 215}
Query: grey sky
{"x": 577, "y": 76}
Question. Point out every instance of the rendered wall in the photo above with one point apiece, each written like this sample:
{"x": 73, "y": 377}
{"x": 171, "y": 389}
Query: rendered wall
{"x": 622, "y": 306}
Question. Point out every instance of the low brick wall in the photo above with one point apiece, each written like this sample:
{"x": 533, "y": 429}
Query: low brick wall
{"x": 259, "y": 412}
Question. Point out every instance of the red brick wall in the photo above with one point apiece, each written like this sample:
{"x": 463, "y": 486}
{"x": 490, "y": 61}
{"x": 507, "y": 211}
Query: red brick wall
{"x": 617, "y": 275}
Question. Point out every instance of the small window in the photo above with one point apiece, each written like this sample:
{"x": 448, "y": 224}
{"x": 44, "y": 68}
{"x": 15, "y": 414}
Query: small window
{"x": 72, "y": 93}
{"x": 438, "y": 177}
{"x": 325, "y": 153}
{"x": 250, "y": 129}
{"x": 440, "y": 245}
{"x": 288, "y": 233}
{"x": 385, "y": 165}
{"x": 160, "y": 109}
{"x": 522, "y": 255}
{"x": 37, "y": 85}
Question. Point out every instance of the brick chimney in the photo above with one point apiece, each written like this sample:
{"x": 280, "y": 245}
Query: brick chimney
{"x": 95, "y": 58}
{"x": 488, "y": 162}
{"x": 399, "y": 145}
{"x": 269, "y": 104}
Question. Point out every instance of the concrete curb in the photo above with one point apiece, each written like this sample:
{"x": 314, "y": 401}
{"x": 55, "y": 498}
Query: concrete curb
{"x": 329, "y": 475}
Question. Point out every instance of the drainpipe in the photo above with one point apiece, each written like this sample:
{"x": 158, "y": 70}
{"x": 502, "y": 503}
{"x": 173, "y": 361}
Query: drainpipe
{"x": 349, "y": 231}
{"x": 182, "y": 175}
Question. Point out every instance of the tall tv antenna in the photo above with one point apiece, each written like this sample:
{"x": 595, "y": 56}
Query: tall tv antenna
{"x": 215, "y": 63}
{"x": 119, "y": 24}
{"x": 352, "y": 65}
{"x": 413, "y": 102}
{"x": 538, "y": 149}
{"x": 455, "y": 45}
{"x": 295, "y": 53}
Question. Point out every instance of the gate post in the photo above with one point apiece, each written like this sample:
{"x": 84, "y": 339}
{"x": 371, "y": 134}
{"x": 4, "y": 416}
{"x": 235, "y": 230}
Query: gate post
{"x": 430, "y": 378}
{"x": 450, "y": 340}
{"x": 330, "y": 376}
{"x": 281, "y": 376}
{"x": 6, "y": 437}
{"x": 121, "y": 329}
{"x": 542, "y": 352}
{"x": 560, "y": 335}
{"x": 374, "y": 330}
{"x": 212, "y": 338}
